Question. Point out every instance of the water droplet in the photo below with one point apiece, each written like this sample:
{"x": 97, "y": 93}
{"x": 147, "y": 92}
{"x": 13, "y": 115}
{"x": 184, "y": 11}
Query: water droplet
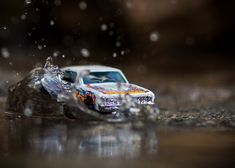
{"x": 83, "y": 5}
{"x": 129, "y": 4}
{"x": 63, "y": 56}
{"x": 4, "y": 27}
{"x": 104, "y": 27}
{"x": 52, "y": 22}
{"x": 28, "y": 2}
{"x": 85, "y": 52}
{"x": 118, "y": 44}
{"x": 28, "y": 112}
{"x": 122, "y": 52}
{"x": 5, "y": 53}
{"x": 111, "y": 33}
{"x": 23, "y": 16}
{"x": 40, "y": 47}
{"x": 154, "y": 36}
{"x": 57, "y": 2}
{"x": 56, "y": 53}
{"x": 114, "y": 55}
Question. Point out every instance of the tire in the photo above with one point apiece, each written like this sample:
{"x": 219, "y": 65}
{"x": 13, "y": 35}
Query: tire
{"x": 89, "y": 102}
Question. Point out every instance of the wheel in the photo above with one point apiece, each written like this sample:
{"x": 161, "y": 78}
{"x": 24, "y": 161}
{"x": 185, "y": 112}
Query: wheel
{"x": 89, "y": 102}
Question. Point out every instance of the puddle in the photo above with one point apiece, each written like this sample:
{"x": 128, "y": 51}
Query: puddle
{"x": 43, "y": 142}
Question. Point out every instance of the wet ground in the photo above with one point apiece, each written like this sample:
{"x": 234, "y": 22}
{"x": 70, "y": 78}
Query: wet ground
{"x": 62, "y": 143}
{"x": 195, "y": 128}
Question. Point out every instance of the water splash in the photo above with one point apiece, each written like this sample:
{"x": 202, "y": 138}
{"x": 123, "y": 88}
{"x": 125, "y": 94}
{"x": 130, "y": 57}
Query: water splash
{"x": 65, "y": 94}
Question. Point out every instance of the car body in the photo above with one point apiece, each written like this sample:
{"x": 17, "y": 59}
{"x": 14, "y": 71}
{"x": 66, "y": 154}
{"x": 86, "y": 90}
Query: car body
{"x": 104, "y": 88}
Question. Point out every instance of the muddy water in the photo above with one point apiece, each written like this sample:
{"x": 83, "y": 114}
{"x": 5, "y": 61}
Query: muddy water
{"x": 64, "y": 143}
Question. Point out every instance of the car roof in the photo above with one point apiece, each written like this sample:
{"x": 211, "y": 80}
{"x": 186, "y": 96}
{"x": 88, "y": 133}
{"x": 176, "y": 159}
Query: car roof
{"x": 92, "y": 68}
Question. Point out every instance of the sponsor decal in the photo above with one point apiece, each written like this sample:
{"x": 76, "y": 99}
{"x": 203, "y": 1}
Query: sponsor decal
{"x": 131, "y": 90}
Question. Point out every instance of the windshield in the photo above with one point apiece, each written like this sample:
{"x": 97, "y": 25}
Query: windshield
{"x": 103, "y": 77}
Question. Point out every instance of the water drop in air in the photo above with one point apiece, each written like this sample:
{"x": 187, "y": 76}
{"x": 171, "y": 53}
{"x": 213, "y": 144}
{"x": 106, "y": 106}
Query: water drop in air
{"x": 114, "y": 55}
{"x": 40, "y": 47}
{"x": 104, "y": 27}
{"x": 28, "y": 112}
{"x": 85, "y": 52}
{"x": 28, "y": 2}
{"x": 5, "y": 53}
{"x": 23, "y": 16}
{"x": 118, "y": 44}
{"x": 129, "y": 5}
{"x": 52, "y": 22}
{"x": 154, "y": 36}
{"x": 83, "y": 5}
{"x": 56, "y": 53}
{"x": 57, "y": 2}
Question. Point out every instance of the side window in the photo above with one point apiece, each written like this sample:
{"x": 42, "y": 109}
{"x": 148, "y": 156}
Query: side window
{"x": 70, "y": 76}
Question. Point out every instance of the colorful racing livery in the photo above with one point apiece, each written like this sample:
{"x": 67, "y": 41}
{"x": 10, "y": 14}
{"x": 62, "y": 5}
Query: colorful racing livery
{"x": 104, "y": 88}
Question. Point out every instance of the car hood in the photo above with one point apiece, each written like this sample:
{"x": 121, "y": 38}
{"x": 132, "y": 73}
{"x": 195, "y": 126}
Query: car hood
{"x": 113, "y": 88}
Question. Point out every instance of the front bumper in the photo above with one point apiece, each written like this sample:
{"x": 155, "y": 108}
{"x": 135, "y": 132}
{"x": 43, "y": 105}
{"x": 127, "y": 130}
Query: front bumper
{"x": 108, "y": 109}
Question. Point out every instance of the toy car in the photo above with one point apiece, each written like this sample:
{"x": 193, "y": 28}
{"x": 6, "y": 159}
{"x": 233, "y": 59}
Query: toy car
{"x": 103, "y": 88}
{"x": 69, "y": 90}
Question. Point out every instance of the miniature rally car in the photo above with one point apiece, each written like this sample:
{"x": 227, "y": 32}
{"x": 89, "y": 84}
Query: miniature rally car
{"x": 103, "y": 88}
{"x": 94, "y": 89}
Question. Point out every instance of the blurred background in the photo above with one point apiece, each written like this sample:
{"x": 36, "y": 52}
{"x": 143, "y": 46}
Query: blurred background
{"x": 182, "y": 50}
{"x": 165, "y": 37}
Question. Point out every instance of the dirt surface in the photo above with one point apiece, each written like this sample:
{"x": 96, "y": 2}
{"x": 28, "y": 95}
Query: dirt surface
{"x": 195, "y": 106}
